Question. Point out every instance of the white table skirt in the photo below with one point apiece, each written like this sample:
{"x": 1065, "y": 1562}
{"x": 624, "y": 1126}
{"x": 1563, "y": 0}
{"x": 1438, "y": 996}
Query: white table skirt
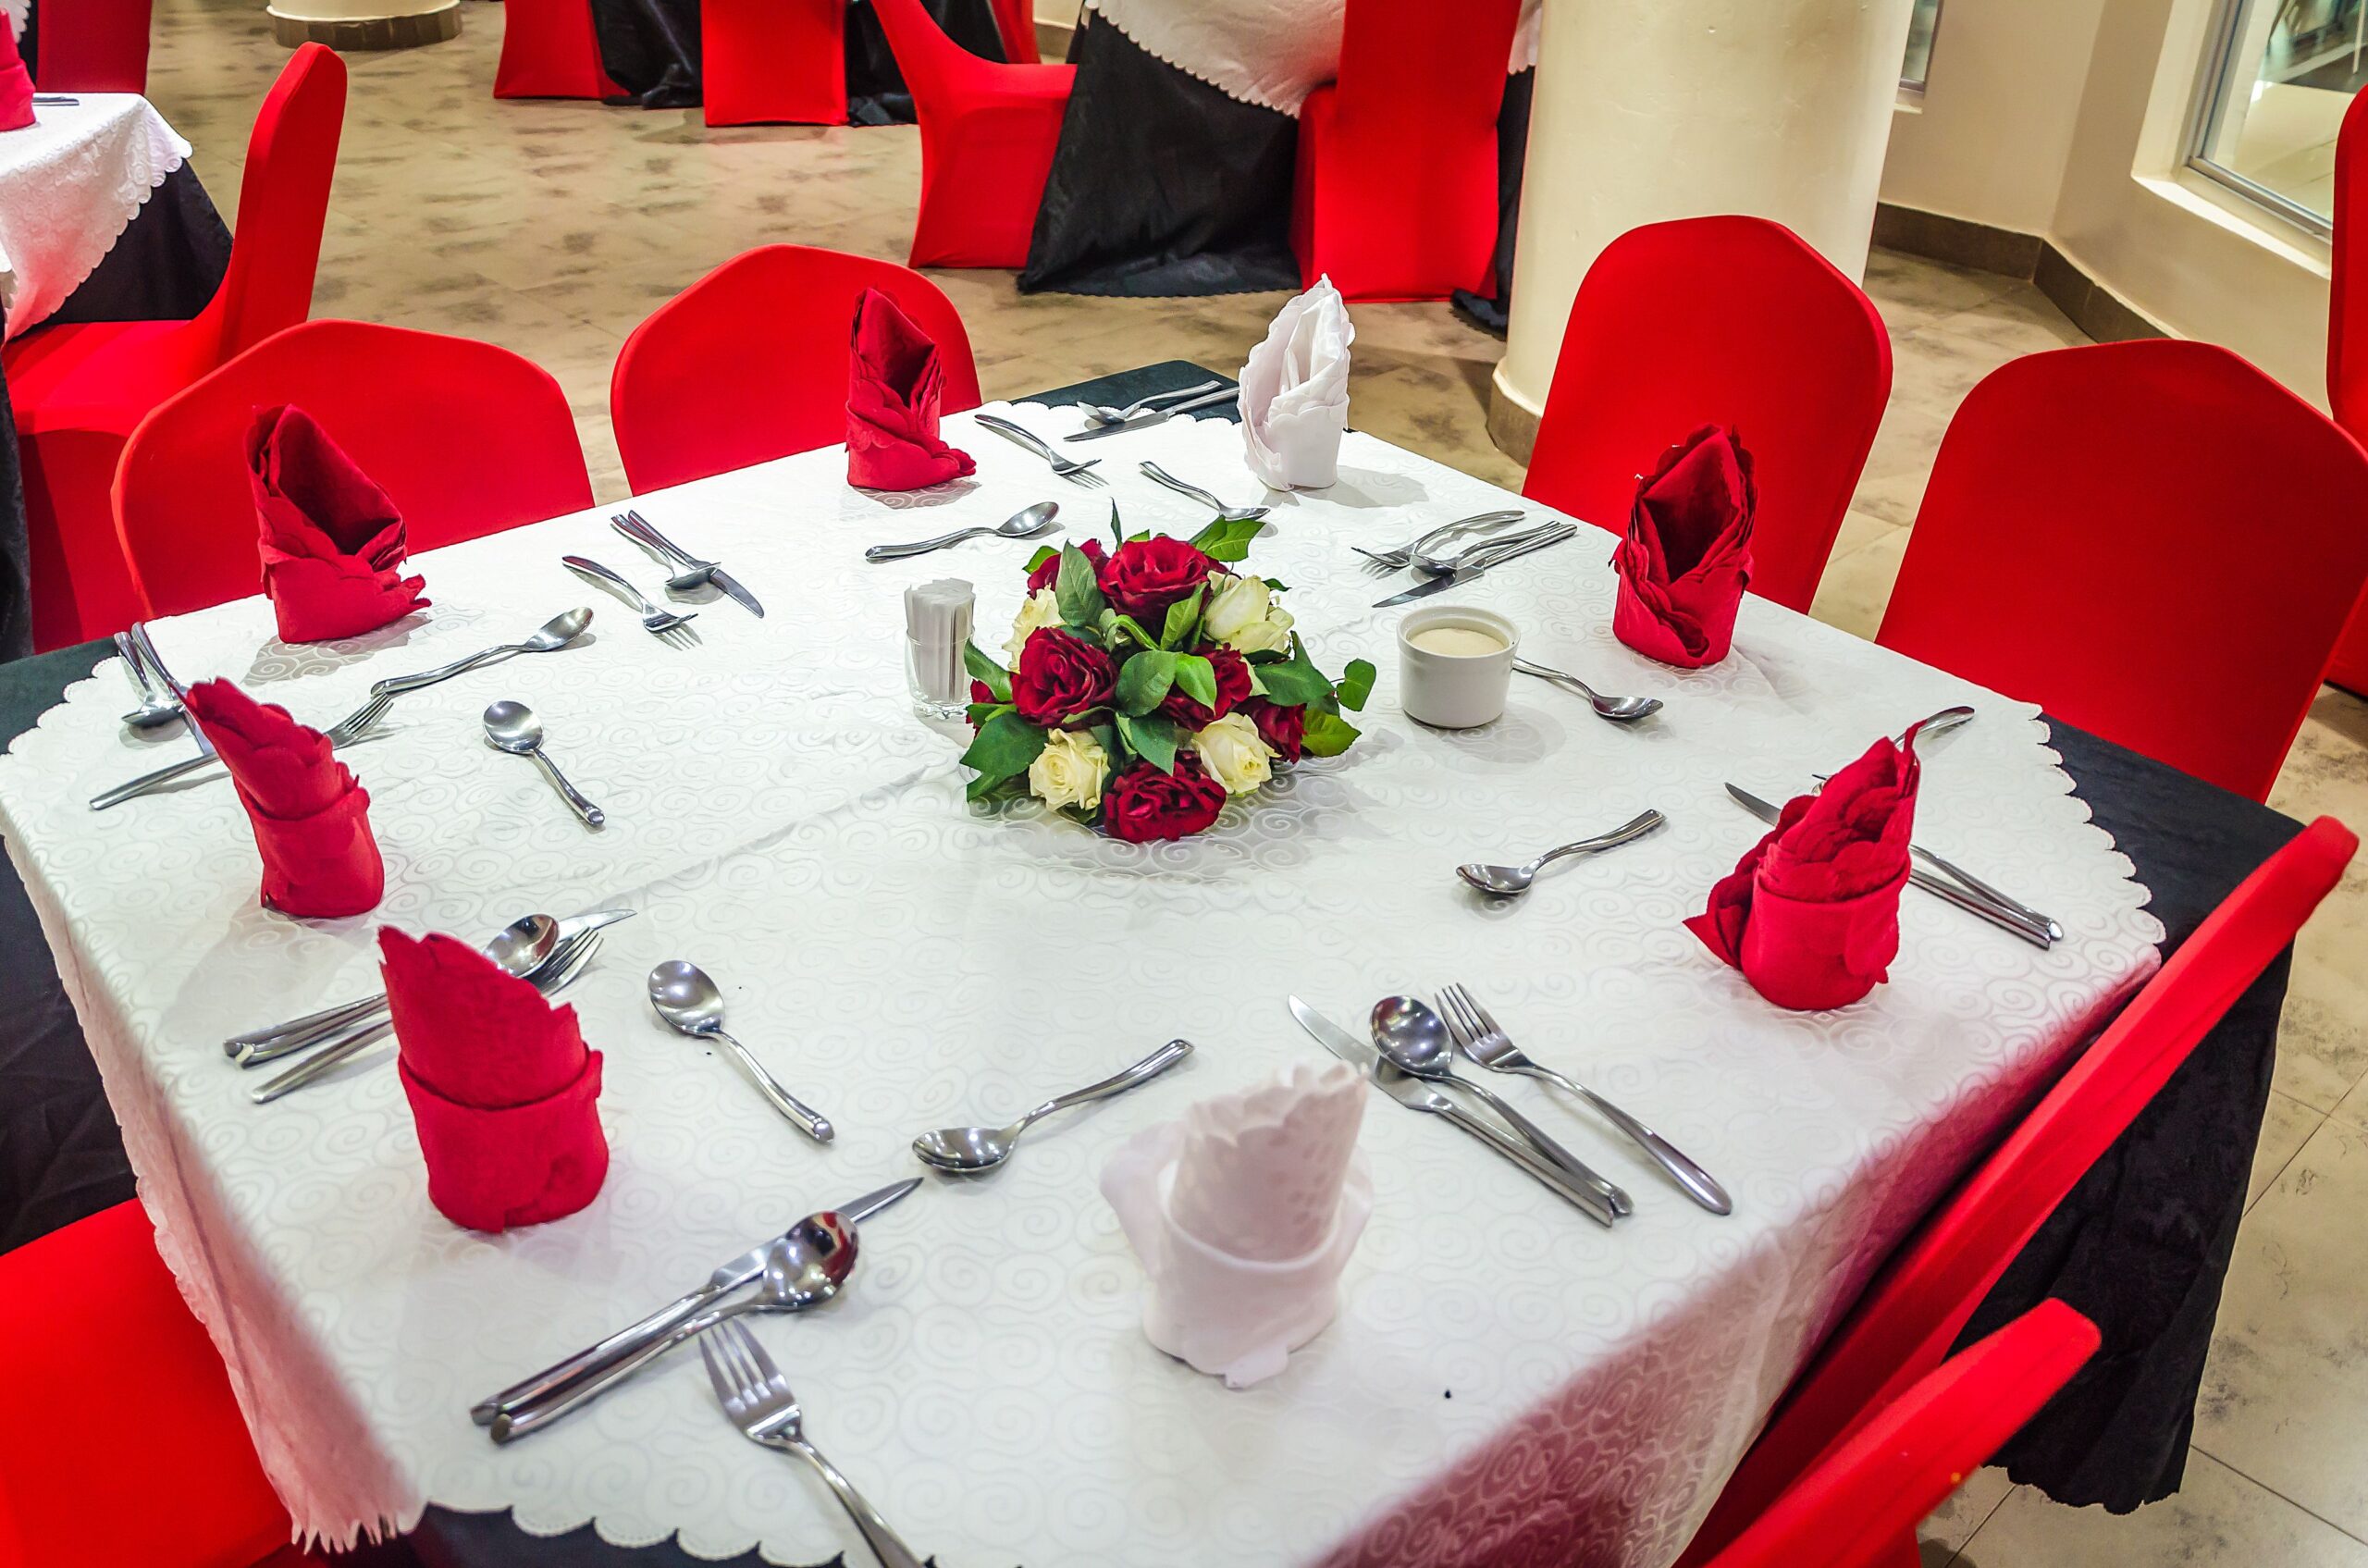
{"x": 1505, "y": 1378}
{"x": 70, "y": 183}
{"x": 1271, "y": 53}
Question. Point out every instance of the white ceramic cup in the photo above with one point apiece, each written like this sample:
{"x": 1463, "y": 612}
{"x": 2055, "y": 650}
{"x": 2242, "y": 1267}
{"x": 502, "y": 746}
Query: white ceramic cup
{"x": 1454, "y": 691}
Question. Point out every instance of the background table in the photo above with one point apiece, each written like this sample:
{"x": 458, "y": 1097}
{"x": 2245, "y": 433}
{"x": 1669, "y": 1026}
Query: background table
{"x": 647, "y": 45}
{"x": 2209, "y": 840}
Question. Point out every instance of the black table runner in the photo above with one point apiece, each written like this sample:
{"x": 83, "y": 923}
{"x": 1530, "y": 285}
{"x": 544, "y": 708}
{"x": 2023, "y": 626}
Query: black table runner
{"x": 2141, "y": 1245}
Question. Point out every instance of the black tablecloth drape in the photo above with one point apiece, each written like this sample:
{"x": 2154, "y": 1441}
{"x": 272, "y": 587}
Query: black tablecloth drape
{"x": 1492, "y": 310}
{"x": 650, "y": 44}
{"x": 2141, "y": 1245}
{"x": 16, "y": 563}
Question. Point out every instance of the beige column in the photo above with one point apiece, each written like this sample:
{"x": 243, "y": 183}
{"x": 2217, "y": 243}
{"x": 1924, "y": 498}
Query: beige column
{"x": 349, "y": 25}
{"x": 1655, "y": 109}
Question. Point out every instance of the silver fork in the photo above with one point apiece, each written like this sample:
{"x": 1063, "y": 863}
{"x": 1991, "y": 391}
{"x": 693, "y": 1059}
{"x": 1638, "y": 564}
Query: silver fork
{"x": 684, "y": 571}
{"x": 345, "y": 732}
{"x": 1478, "y": 1036}
{"x": 1404, "y": 556}
{"x": 559, "y": 971}
{"x": 757, "y": 1400}
{"x": 1068, "y": 468}
{"x": 666, "y": 625}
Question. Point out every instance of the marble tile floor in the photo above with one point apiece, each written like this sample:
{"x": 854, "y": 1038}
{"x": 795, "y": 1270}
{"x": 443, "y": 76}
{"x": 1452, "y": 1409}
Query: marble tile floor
{"x": 553, "y": 228}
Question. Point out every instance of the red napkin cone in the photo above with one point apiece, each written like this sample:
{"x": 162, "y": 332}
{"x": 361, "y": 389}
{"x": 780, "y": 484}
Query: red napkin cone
{"x": 312, "y": 821}
{"x": 1687, "y": 554}
{"x": 1811, "y": 913}
{"x": 332, "y": 542}
{"x": 894, "y": 380}
{"x": 503, "y": 1091}
{"x": 15, "y": 83}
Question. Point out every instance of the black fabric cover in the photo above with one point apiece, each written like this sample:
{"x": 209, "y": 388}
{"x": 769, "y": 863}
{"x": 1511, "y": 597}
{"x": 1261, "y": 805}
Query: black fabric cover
{"x": 640, "y": 39}
{"x": 15, "y": 564}
{"x": 29, "y": 41}
{"x": 1492, "y": 311}
{"x": 1161, "y": 185}
{"x": 164, "y": 266}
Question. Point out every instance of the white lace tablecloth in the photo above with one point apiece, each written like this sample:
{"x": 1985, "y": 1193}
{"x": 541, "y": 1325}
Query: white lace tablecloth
{"x": 70, "y": 183}
{"x": 1271, "y": 53}
{"x": 1505, "y": 1379}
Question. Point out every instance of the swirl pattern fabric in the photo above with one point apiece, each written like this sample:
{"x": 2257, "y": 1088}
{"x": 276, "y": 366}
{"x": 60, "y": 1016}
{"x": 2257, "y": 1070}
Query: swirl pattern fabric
{"x": 1509, "y": 1389}
{"x": 69, "y": 185}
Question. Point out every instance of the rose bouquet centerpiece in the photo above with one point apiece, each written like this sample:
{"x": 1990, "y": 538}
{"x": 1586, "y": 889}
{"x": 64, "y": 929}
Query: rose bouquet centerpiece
{"x": 1148, "y": 683}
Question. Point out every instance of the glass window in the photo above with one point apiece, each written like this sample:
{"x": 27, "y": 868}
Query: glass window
{"x": 2280, "y": 81}
{"x": 1922, "y": 24}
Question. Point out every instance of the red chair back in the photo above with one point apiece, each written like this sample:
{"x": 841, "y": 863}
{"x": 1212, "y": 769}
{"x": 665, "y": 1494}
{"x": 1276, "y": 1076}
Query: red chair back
{"x": 1857, "y": 1509}
{"x": 1016, "y": 26}
{"x": 549, "y": 50}
{"x": 2348, "y": 344}
{"x": 2153, "y": 539}
{"x": 466, "y": 438}
{"x": 1904, "y": 1324}
{"x": 750, "y": 363}
{"x": 283, "y": 201}
{"x": 764, "y": 62}
{"x": 1722, "y": 320}
{"x": 94, "y": 46}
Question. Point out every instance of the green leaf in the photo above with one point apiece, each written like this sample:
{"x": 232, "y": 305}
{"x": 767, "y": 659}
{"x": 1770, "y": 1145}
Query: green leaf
{"x": 1328, "y": 735}
{"x": 1044, "y": 553}
{"x": 1228, "y": 539}
{"x": 980, "y": 712}
{"x": 1117, "y": 535}
{"x": 1114, "y": 624}
{"x": 1295, "y": 682}
{"x": 1356, "y": 685}
{"x": 1183, "y": 616}
{"x": 1153, "y": 739}
{"x": 1143, "y": 680}
{"x": 982, "y": 668}
{"x": 1078, "y": 593}
{"x": 1005, "y": 745}
{"x": 1197, "y": 678}
{"x": 1278, "y": 585}
{"x": 984, "y": 788}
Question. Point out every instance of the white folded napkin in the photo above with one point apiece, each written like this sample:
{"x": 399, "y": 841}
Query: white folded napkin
{"x": 1295, "y": 392}
{"x": 1260, "y": 1172}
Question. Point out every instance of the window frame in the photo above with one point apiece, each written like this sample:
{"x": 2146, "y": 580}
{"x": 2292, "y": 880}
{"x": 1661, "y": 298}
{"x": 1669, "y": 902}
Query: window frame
{"x": 2213, "y": 81}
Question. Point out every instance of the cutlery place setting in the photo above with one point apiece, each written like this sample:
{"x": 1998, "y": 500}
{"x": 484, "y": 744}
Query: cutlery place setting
{"x": 1076, "y": 473}
{"x": 671, "y": 627}
{"x": 1030, "y": 523}
{"x": 686, "y": 573}
{"x": 1491, "y": 548}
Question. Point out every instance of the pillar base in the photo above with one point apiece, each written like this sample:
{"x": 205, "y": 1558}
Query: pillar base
{"x": 350, "y": 34}
{"x": 1512, "y": 424}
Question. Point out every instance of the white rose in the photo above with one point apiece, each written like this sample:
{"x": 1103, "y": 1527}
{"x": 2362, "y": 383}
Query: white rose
{"x": 1070, "y": 771}
{"x": 1043, "y": 609}
{"x": 1244, "y": 616}
{"x": 1232, "y": 748}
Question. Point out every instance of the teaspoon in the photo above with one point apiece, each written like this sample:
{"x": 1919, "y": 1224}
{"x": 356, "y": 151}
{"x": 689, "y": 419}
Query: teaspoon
{"x": 1103, "y": 414}
{"x": 548, "y": 637}
{"x": 969, "y": 1151}
{"x": 513, "y": 727}
{"x": 1512, "y": 881}
{"x": 1028, "y": 524}
{"x": 1619, "y": 710}
{"x": 687, "y": 999}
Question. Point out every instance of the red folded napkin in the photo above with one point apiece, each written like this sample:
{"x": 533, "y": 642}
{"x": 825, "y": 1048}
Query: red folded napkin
{"x": 503, "y": 1091}
{"x": 894, "y": 383}
{"x": 1811, "y": 914}
{"x": 312, "y": 821}
{"x": 1687, "y": 553}
{"x": 15, "y": 83}
{"x": 332, "y": 542}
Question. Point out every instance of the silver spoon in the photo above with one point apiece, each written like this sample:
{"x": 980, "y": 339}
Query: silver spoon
{"x": 683, "y": 996}
{"x": 967, "y": 1151}
{"x": 1512, "y": 881}
{"x": 1416, "y": 1040}
{"x": 1100, "y": 414}
{"x": 1154, "y": 473}
{"x": 548, "y": 637}
{"x": 1037, "y": 519}
{"x": 1619, "y": 710}
{"x": 807, "y": 1267}
{"x": 156, "y": 707}
{"x": 513, "y": 727}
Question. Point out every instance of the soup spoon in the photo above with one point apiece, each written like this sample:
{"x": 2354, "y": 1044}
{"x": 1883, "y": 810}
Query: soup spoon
{"x": 1028, "y": 524}
{"x": 970, "y": 1151}
{"x": 1512, "y": 881}
{"x": 1619, "y": 710}
{"x": 682, "y": 993}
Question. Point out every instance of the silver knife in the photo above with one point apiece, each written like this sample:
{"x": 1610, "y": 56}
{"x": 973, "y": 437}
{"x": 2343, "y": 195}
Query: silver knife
{"x": 1157, "y": 415}
{"x": 1466, "y": 574}
{"x": 1413, "y": 1093}
{"x": 2006, "y": 920}
{"x": 642, "y": 531}
{"x": 727, "y": 1277}
{"x": 738, "y": 594}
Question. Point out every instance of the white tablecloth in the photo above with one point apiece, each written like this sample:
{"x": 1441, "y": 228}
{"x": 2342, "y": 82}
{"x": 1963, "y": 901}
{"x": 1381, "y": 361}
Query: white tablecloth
{"x": 1502, "y": 1370}
{"x": 1271, "y": 53}
{"x": 70, "y": 183}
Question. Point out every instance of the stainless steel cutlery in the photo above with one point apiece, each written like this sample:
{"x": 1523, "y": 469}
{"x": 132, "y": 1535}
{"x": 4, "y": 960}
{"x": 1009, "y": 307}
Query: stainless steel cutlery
{"x": 971, "y": 1151}
{"x": 1484, "y": 524}
{"x": 1146, "y": 420}
{"x": 511, "y": 726}
{"x": 1102, "y": 414}
{"x": 681, "y": 994}
{"x": 157, "y": 707}
{"x": 666, "y": 625}
{"x": 684, "y": 571}
{"x": 1068, "y": 468}
{"x": 1619, "y": 710}
{"x": 1512, "y": 881}
{"x": 1024, "y": 525}
{"x": 1480, "y": 558}
{"x": 1157, "y": 474}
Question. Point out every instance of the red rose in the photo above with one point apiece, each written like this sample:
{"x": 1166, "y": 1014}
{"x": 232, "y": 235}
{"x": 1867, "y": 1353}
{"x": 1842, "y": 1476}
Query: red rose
{"x": 1285, "y": 729}
{"x": 1059, "y": 675}
{"x": 1233, "y": 686}
{"x": 1049, "y": 573}
{"x": 1142, "y": 803}
{"x": 1147, "y": 576}
{"x": 979, "y": 694}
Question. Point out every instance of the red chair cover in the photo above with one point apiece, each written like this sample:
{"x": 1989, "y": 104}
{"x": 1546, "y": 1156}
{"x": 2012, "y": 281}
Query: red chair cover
{"x": 2155, "y": 540}
{"x": 987, "y": 132}
{"x": 1904, "y": 1324}
{"x": 2347, "y": 345}
{"x": 77, "y": 1307}
{"x": 750, "y": 363}
{"x": 1015, "y": 24}
{"x": 466, "y": 438}
{"x": 79, "y": 389}
{"x": 1396, "y": 196}
{"x": 1855, "y": 1509}
{"x": 549, "y": 50}
{"x": 94, "y": 46}
{"x": 1730, "y": 321}
{"x": 779, "y": 62}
